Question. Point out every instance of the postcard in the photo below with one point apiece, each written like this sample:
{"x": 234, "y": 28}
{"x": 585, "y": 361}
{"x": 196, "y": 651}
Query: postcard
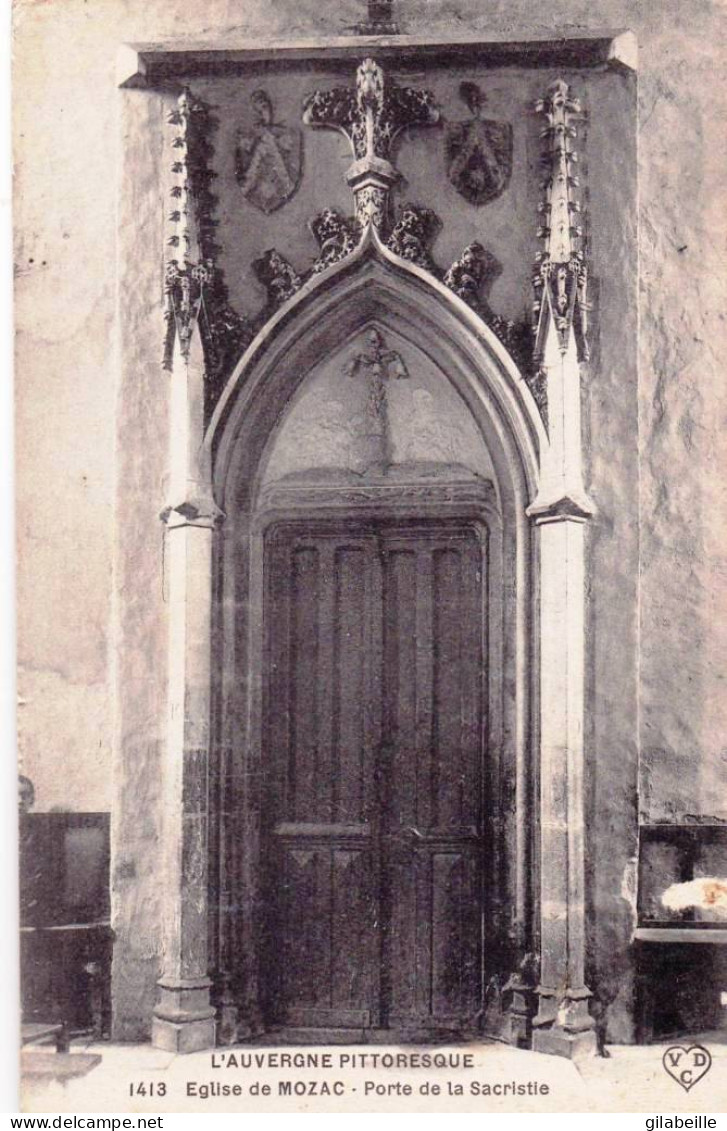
{"x": 371, "y": 633}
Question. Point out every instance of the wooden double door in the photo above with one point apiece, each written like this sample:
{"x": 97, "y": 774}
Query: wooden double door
{"x": 374, "y": 833}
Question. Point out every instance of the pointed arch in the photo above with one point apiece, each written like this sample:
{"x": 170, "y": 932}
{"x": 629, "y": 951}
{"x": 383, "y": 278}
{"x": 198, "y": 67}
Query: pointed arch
{"x": 373, "y": 285}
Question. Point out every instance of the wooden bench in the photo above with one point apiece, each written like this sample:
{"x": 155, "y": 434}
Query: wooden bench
{"x": 36, "y": 1033}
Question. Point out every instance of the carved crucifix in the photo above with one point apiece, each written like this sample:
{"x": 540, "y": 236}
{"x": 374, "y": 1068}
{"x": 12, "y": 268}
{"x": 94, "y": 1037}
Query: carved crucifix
{"x": 380, "y": 365}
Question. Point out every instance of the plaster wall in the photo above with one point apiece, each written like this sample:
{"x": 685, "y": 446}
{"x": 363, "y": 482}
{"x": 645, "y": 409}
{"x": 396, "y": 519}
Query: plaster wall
{"x": 80, "y": 396}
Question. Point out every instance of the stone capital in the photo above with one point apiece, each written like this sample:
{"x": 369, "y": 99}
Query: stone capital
{"x": 575, "y": 507}
{"x": 376, "y": 169}
{"x": 196, "y": 510}
{"x": 371, "y": 179}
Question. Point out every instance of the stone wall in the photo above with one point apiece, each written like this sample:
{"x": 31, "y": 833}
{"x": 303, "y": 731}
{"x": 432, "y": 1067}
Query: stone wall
{"x": 80, "y": 394}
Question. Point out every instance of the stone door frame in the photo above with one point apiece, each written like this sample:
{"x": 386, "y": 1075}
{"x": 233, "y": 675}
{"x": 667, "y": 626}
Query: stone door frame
{"x": 543, "y": 502}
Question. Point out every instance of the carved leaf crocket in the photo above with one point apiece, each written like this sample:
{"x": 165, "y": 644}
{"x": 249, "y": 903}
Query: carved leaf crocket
{"x": 412, "y": 234}
{"x": 337, "y": 237}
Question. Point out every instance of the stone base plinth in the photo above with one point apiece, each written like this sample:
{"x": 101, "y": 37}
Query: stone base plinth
{"x": 559, "y": 1042}
{"x": 184, "y": 1020}
{"x": 183, "y": 1036}
{"x": 516, "y": 1030}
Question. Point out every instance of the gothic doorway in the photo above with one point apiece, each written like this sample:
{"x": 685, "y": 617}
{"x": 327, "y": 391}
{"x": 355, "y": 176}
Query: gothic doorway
{"x": 375, "y": 803}
{"x": 374, "y": 302}
{"x": 370, "y": 821}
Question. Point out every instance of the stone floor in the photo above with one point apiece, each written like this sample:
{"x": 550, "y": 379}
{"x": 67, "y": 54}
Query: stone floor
{"x": 630, "y": 1079}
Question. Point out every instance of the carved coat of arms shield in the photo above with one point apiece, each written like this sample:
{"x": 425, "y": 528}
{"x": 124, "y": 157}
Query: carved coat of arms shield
{"x": 479, "y": 152}
{"x": 268, "y": 158}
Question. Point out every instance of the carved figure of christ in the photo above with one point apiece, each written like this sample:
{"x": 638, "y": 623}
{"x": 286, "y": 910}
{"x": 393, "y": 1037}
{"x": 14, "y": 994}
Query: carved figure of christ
{"x": 378, "y": 364}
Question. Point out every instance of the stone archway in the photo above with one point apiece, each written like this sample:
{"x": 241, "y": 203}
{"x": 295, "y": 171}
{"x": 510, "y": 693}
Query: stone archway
{"x": 544, "y": 507}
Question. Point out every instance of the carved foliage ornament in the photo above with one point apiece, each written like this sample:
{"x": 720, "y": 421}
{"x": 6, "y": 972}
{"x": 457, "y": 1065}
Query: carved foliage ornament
{"x": 479, "y": 151}
{"x": 194, "y": 288}
{"x": 337, "y": 237}
{"x": 468, "y": 278}
{"x": 413, "y": 233}
{"x": 560, "y": 278}
{"x": 371, "y": 115}
{"x": 280, "y": 279}
{"x": 467, "y": 274}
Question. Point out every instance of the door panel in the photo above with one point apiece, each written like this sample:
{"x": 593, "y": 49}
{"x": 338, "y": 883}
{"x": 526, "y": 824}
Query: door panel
{"x": 328, "y": 962}
{"x": 432, "y": 681}
{"x": 374, "y": 776}
{"x": 322, "y": 757}
{"x": 350, "y": 778}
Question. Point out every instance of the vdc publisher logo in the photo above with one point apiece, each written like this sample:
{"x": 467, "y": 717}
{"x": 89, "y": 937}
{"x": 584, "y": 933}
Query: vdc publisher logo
{"x": 687, "y": 1065}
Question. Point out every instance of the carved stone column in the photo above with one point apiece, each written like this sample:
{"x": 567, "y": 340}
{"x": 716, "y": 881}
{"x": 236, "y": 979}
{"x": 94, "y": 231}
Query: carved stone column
{"x": 183, "y": 1018}
{"x": 560, "y": 512}
{"x": 562, "y": 1024}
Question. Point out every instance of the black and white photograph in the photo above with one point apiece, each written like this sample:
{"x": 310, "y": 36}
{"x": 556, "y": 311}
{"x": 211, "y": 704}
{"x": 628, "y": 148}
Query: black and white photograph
{"x": 371, "y": 584}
